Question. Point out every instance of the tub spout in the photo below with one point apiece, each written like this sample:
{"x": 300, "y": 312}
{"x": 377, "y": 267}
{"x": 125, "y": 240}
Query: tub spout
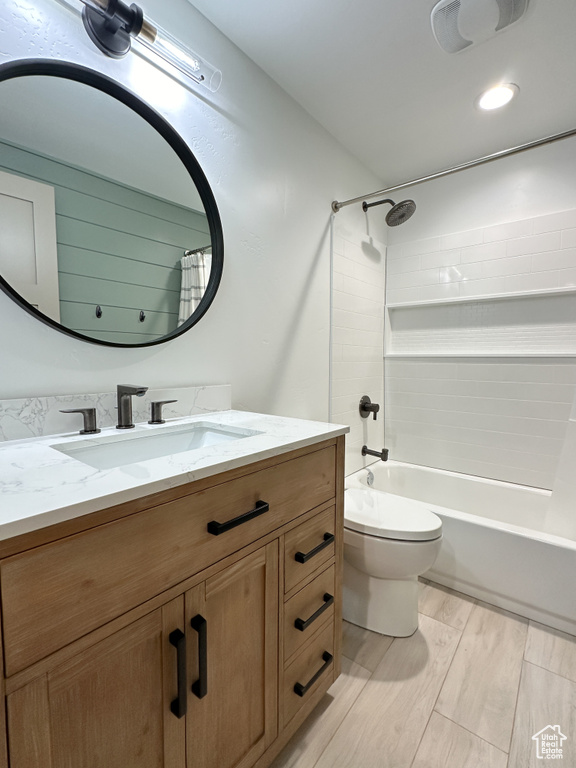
{"x": 383, "y": 454}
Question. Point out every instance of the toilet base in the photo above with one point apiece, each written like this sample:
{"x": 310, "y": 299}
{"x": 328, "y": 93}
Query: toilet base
{"x": 387, "y": 606}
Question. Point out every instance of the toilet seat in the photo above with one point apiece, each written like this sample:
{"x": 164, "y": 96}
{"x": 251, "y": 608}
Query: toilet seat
{"x": 388, "y": 516}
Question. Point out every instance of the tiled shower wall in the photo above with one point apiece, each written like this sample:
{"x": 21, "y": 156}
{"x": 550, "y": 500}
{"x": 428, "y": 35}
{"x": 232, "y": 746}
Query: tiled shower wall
{"x": 480, "y": 370}
{"x": 533, "y": 254}
{"x": 357, "y": 333}
{"x": 500, "y": 418}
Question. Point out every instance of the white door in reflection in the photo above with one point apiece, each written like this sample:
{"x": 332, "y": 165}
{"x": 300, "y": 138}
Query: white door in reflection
{"x": 28, "y": 254}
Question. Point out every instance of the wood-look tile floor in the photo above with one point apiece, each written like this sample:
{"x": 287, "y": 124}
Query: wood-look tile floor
{"x": 469, "y": 689}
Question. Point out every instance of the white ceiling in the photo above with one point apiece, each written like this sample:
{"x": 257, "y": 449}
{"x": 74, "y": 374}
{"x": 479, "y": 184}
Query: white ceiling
{"x": 372, "y": 74}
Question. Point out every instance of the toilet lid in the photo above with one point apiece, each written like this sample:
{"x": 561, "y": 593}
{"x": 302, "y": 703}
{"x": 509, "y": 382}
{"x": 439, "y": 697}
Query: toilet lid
{"x": 389, "y": 516}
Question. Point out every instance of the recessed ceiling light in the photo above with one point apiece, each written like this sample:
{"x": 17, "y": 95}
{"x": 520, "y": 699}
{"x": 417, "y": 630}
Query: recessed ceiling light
{"x": 497, "y": 97}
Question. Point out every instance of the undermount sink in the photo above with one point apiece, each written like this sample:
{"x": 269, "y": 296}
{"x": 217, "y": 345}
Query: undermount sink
{"x": 111, "y": 451}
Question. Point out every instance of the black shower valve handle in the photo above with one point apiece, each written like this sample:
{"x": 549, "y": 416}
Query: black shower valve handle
{"x": 367, "y": 407}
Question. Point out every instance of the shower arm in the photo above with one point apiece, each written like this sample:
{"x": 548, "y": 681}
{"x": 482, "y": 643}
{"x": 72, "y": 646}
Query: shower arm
{"x": 365, "y": 205}
{"x": 336, "y": 205}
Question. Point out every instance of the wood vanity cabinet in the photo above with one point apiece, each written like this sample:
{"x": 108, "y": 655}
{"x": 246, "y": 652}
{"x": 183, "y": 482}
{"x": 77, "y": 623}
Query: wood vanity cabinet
{"x": 194, "y": 628}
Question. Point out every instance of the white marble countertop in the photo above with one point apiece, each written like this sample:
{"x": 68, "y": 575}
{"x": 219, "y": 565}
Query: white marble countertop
{"x": 40, "y": 486}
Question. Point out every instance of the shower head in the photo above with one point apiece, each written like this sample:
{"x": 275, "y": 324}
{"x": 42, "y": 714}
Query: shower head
{"x": 398, "y": 214}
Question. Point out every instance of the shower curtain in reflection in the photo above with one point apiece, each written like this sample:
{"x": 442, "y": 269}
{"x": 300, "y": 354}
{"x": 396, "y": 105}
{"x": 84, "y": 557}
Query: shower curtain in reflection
{"x": 195, "y": 274}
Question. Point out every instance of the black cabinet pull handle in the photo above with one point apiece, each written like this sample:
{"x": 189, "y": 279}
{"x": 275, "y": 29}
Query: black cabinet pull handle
{"x": 217, "y": 528}
{"x": 200, "y": 687}
{"x": 302, "y": 690}
{"x": 302, "y": 557}
{"x": 178, "y": 639}
{"x": 302, "y": 624}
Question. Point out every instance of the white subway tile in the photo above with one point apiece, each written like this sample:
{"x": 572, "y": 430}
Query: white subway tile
{"x": 549, "y": 241}
{"x": 337, "y": 351}
{"x": 566, "y": 278}
{"x": 369, "y": 274}
{"x": 444, "y": 258}
{"x": 460, "y": 273}
{"x": 354, "y": 287}
{"x": 338, "y": 244}
{"x": 361, "y": 322}
{"x": 357, "y": 370}
{"x": 563, "y": 259}
{"x": 462, "y": 239}
{"x": 394, "y": 251}
{"x": 515, "y": 265}
{"x": 356, "y": 387}
{"x": 401, "y": 295}
{"x": 353, "y": 251}
{"x": 418, "y": 247}
{"x": 484, "y": 287}
{"x": 485, "y": 252}
{"x": 414, "y": 279}
{"x": 555, "y": 221}
{"x": 365, "y": 354}
{"x": 407, "y": 264}
{"x": 345, "y": 404}
{"x": 343, "y": 266}
{"x": 508, "y": 231}
{"x": 356, "y": 337}
{"x": 337, "y": 281}
{"x": 538, "y": 281}
{"x": 568, "y": 238}
{"x": 441, "y": 291}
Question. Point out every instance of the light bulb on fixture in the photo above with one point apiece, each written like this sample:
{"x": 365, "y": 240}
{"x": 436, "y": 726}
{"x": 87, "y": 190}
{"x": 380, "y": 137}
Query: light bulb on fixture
{"x": 497, "y": 97}
{"x": 112, "y": 25}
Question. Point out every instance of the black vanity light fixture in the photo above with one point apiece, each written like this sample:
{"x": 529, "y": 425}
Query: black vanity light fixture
{"x": 113, "y": 24}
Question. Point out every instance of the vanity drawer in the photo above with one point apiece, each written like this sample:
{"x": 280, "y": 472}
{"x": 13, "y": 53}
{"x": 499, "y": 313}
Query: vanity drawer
{"x": 56, "y": 593}
{"x": 307, "y": 547}
{"x": 308, "y": 610}
{"x": 312, "y": 670}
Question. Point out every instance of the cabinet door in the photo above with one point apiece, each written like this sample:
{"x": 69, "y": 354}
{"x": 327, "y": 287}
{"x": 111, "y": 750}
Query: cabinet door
{"x": 232, "y": 717}
{"x": 107, "y": 707}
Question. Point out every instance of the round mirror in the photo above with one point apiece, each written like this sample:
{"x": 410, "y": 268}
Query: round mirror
{"x": 109, "y": 231}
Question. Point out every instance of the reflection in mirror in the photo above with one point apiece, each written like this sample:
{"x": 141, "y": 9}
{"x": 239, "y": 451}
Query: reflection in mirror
{"x": 101, "y": 226}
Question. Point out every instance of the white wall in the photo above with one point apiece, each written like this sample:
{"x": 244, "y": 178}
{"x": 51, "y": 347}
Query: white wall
{"x": 274, "y": 173}
{"x": 481, "y": 345}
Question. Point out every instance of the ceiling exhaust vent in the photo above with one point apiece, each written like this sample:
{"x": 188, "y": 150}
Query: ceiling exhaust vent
{"x": 458, "y": 24}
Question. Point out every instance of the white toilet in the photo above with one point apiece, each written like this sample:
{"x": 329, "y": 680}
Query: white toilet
{"x": 388, "y": 542}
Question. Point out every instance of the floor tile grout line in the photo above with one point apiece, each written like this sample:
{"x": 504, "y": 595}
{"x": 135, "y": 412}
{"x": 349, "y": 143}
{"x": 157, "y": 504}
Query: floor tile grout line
{"x": 547, "y": 669}
{"x": 476, "y": 736}
{"x": 358, "y": 665}
{"x": 371, "y": 675}
{"x": 550, "y": 672}
{"x": 516, "y": 702}
{"x": 343, "y": 718}
{"x": 522, "y": 660}
{"x": 433, "y": 709}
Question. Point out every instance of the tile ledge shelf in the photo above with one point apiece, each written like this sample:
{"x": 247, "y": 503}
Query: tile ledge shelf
{"x": 483, "y": 297}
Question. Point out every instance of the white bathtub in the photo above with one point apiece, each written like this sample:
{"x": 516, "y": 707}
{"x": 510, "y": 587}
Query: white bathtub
{"x": 495, "y": 546}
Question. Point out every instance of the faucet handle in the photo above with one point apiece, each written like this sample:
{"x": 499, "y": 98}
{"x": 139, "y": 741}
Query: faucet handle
{"x": 367, "y": 407}
{"x": 156, "y": 411}
{"x": 89, "y": 415}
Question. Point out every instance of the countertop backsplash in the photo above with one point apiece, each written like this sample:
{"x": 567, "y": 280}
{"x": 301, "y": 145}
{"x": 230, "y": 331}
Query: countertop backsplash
{"x": 40, "y": 416}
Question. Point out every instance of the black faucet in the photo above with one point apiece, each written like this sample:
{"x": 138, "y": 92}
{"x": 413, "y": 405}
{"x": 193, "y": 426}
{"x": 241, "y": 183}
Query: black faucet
{"x": 367, "y": 407}
{"x": 125, "y": 392}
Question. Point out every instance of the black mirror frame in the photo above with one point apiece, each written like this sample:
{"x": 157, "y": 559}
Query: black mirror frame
{"x": 69, "y": 71}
